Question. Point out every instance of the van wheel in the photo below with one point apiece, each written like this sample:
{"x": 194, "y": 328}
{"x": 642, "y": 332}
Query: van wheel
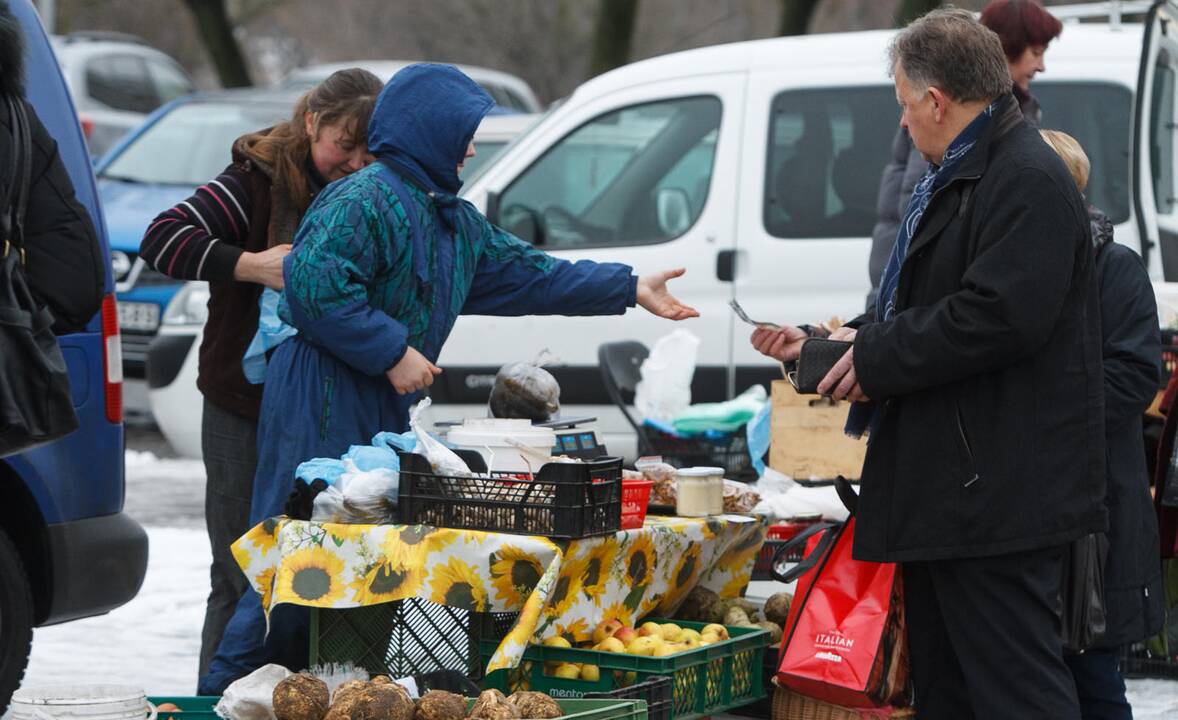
{"x": 16, "y": 620}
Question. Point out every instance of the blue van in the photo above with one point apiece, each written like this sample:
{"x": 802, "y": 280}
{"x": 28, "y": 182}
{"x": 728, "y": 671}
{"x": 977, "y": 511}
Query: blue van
{"x": 67, "y": 550}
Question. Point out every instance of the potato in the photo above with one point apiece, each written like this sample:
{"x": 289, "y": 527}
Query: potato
{"x": 440, "y": 705}
{"x": 301, "y": 696}
{"x": 383, "y": 701}
{"x": 777, "y": 607}
{"x": 535, "y": 705}
{"x": 699, "y": 605}
{"x": 492, "y": 705}
{"x": 345, "y": 698}
{"x": 736, "y": 616}
{"x": 774, "y": 630}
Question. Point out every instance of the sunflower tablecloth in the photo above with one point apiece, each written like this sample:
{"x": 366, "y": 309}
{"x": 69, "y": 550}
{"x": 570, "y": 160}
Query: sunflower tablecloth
{"x": 557, "y": 589}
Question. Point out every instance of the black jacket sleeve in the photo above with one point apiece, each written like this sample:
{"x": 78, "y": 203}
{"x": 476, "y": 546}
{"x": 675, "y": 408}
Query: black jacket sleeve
{"x": 1132, "y": 345}
{"x": 64, "y": 265}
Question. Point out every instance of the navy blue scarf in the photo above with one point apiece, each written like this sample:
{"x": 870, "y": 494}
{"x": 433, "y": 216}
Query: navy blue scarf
{"x": 862, "y": 414}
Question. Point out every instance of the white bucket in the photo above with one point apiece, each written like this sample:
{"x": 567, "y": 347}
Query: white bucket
{"x": 82, "y": 702}
{"x": 491, "y": 438}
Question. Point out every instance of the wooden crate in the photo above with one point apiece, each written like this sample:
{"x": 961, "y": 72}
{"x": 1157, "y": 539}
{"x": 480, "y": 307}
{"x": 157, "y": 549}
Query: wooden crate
{"x": 808, "y": 441}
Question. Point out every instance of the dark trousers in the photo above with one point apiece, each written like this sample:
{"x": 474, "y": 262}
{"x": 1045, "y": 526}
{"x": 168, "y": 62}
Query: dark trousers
{"x": 229, "y": 444}
{"x": 1099, "y": 685}
{"x": 984, "y": 638}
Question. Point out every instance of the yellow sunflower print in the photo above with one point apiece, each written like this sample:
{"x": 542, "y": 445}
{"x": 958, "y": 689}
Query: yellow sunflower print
{"x": 567, "y": 588}
{"x": 514, "y": 573}
{"x": 521, "y": 633}
{"x": 408, "y": 545}
{"x": 457, "y": 584}
{"x": 340, "y": 533}
{"x": 264, "y": 535}
{"x": 741, "y": 552}
{"x": 241, "y": 554}
{"x": 312, "y": 577}
{"x": 384, "y": 581}
{"x": 734, "y": 586}
{"x": 686, "y": 573}
{"x": 640, "y": 562}
{"x": 619, "y": 612}
{"x": 265, "y": 582}
{"x": 597, "y": 567}
{"x": 577, "y": 631}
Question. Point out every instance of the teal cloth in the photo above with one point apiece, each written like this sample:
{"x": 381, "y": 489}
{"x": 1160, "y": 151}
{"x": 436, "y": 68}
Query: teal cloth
{"x": 727, "y": 416}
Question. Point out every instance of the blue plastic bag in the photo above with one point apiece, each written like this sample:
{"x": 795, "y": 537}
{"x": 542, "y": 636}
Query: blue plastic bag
{"x": 758, "y": 431}
{"x": 271, "y": 332}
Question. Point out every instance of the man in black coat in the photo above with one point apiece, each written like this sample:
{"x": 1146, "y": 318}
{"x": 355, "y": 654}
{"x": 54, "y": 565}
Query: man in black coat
{"x": 64, "y": 267}
{"x": 979, "y": 377}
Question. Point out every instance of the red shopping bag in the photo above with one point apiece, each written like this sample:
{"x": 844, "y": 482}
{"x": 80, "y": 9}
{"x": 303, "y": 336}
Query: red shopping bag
{"x": 844, "y": 637}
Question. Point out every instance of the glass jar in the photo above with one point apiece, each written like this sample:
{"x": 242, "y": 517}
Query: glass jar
{"x": 699, "y": 491}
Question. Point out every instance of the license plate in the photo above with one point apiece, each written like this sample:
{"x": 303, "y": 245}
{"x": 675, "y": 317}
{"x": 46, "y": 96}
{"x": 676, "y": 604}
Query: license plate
{"x": 139, "y": 316}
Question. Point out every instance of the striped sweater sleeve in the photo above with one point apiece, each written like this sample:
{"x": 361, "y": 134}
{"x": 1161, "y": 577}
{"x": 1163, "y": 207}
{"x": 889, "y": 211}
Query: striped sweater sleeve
{"x": 201, "y": 238}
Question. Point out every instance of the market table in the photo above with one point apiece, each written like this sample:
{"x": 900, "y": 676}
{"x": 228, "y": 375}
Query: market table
{"x": 565, "y": 588}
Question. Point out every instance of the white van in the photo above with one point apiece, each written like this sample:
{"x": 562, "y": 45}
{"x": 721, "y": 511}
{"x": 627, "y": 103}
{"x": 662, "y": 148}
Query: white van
{"x": 756, "y": 166}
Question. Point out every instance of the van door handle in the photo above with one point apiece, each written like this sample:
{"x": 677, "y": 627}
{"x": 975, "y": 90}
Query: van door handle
{"x": 726, "y": 265}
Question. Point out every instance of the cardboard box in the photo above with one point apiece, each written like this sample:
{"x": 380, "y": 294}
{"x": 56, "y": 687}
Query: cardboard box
{"x": 807, "y": 437}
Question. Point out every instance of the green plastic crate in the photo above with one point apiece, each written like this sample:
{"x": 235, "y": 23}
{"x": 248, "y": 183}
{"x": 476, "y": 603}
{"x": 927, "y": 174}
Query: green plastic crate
{"x": 578, "y": 709}
{"x": 192, "y": 707}
{"x": 707, "y": 679}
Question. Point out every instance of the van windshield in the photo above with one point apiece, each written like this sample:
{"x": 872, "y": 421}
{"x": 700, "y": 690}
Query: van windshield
{"x": 191, "y": 143}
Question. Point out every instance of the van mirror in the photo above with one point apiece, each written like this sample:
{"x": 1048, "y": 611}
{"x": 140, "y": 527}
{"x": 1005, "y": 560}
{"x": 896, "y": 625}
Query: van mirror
{"x": 524, "y": 223}
{"x": 673, "y": 209}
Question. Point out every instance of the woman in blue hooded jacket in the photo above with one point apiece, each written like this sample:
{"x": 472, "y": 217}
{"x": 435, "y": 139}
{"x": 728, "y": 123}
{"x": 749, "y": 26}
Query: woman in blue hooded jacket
{"x": 382, "y": 265}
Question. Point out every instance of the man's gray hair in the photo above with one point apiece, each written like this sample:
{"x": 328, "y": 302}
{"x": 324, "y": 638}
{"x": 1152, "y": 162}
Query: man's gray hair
{"x": 952, "y": 51}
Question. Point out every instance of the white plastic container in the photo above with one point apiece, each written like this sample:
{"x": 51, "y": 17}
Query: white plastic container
{"x": 492, "y": 438}
{"x": 699, "y": 491}
{"x": 82, "y": 702}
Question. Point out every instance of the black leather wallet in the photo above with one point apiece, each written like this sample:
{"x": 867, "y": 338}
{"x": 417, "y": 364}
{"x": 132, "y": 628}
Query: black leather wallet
{"x": 818, "y": 356}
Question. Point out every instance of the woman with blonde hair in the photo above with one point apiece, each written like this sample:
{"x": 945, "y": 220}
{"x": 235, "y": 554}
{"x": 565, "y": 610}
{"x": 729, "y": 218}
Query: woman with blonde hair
{"x": 234, "y": 232}
{"x": 1131, "y": 350}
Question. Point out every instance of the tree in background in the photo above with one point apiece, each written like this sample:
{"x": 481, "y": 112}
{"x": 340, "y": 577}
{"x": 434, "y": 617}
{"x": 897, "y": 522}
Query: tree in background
{"x": 795, "y": 16}
{"x": 613, "y": 35}
{"x": 909, "y": 10}
{"x": 216, "y": 32}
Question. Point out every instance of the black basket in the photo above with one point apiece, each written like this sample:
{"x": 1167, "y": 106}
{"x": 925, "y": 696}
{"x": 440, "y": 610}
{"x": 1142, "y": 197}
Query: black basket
{"x": 657, "y": 691}
{"x": 1138, "y": 662}
{"x": 564, "y": 501}
{"x": 765, "y": 558}
{"x": 407, "y": 637}
{"x": 730, "y": 452}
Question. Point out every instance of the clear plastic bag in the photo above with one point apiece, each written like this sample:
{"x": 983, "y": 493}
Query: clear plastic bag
{"x": 652, "y": 467}
{"x": 359, "y": 497}
{"x": 442, "y": 459}
{"x": 665, "y": 388}
{"x": 525, "y": 391}
{"x": 252, "y": 697}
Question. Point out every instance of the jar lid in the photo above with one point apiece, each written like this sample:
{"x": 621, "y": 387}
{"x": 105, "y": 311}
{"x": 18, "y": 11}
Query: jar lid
{"x": 695, "y": 472}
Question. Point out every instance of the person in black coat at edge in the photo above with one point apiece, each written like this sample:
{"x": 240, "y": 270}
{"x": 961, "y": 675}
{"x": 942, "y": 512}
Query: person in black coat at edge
{"x": 979, "y": 376}
{"x": 64, "y": 264}
{"x": 1132, "y": 350}
{"x": 1025, "y": 29}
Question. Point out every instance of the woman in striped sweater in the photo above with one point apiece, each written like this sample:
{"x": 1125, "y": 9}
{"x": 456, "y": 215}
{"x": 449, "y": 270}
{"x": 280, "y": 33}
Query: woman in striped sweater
{"x": 234, "y": 232}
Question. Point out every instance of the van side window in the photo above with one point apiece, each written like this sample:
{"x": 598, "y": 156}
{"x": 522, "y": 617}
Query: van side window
{"x": 827, "y": 150}
{"x": 169, "y": 81}
{"x": 121, "y": 82}
{"x": 634, "y": 176}
{"x": 1098, "y": 115}
{"x": 1162, "y": 148}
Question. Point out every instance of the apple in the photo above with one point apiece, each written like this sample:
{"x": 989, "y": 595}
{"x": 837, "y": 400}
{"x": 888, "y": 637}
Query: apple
{"x": 671, "y": 632}
{"x": 568, "y": 671}
{"x": 557, "y": 641}
{"x": 645, "y": 645}
{"x": 590, "y": 672}
{"x": 689, "y": 634}
{"x": 611, "y": 644}
{"x": 719, "y": 630}
{"x": 606, "y": 629}
{"x": 650, "y": 628}
{"x": 668, "y": 649}
{"x": 626, "y": 634}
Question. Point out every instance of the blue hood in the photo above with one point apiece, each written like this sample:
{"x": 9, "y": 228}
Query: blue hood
{"x": 424, "y": 119}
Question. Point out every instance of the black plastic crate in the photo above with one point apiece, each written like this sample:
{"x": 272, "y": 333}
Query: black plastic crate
{"x": 406, "y": 637}
{"x": 657, "y": 691}
{"x": 1138, "y": 662}
{"x": 730, "y": 452}
{"x": 564, "y": 501}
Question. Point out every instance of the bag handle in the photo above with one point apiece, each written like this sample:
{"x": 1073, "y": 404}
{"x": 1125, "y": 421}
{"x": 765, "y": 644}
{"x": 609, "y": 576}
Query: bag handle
{"x": 16, "y": 195}
{"x": 811, "y": 559}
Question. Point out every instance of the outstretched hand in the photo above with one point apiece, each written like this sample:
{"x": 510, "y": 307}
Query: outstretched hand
{"x": 654, "y": 296}
{"x": 782, "y": 344}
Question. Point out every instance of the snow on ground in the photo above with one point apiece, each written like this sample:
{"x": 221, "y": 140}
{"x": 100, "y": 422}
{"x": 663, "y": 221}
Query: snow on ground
{"x": 153, "y": 641}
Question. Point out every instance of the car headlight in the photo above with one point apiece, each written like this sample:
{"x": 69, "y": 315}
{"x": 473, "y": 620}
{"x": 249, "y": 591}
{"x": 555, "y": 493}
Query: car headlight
{"x": 190, "y": 306}
{"x": 120, "y": 265}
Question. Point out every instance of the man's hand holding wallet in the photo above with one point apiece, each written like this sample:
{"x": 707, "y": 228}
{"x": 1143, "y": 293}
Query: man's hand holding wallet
{"x": 822, "y": 366}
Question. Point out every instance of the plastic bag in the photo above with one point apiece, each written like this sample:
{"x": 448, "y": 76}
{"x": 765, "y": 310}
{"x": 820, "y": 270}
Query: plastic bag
{"x": 782, "y": 498}
{"x": 252, "y": 697}
{"x": 525, "y": 391}
{"x": 367, "y": 497}
{"x": 758, "y": 433}
{"x": 653, "y": 468}
{"x": 665, "y": 388}
{"x": 442, "y": 459}
{"x": 724, "y": 417}
{"x": 271, "y": 332}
